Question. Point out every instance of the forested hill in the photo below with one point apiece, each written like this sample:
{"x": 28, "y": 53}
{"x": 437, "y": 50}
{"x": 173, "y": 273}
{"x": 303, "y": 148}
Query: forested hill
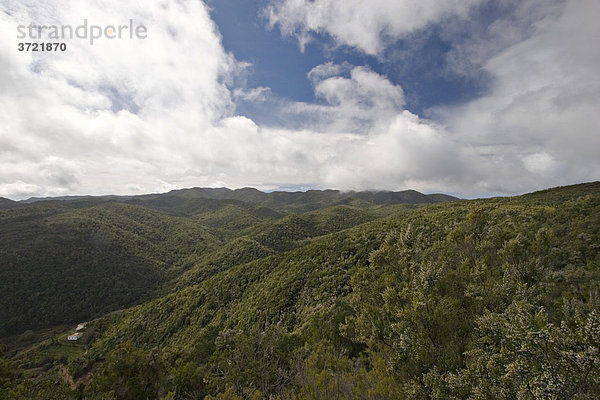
{"x": 68, "y": 259}
{"x": 187, "y": 201}
{"x": 483, "y": 299}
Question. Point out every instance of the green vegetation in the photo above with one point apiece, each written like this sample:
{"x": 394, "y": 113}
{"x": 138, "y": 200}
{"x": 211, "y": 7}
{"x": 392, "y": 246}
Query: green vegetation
{"x": 483, "y": 299}
{"x": 69, "y": 260}
{"x": 60, "y": 264}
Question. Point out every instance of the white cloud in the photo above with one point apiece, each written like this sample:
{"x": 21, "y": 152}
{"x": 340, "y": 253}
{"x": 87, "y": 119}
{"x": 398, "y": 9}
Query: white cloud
{"x": 20, "y": 189}
{"x": 354, "y": 99}
{"x": 535, "y": 128}
{"x": 257, "y": 94}
{"x": 119, "y": 109}
{"x": 148, "y": 115}
{"x": 539, "y": 163}
{"x": 475, "y": 40}
{"x": 362, "y": 138}
{"x": 540, "y": 121}
{"x": 364, "y": 24}
{"x": 135, "y": 116}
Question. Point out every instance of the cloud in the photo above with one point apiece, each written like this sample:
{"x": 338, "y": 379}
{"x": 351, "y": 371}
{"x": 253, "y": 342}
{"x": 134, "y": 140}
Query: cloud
{"x": 475, "y": 40}
{"x": 20, "y": 189}
{"x": 353, "y": 99}
{"x": 367, "y": 25}
{"x": 360, "y": 137}
{"x": 538, "y": 122}
{"x": 535, "y": 127}
{"x": 142, "y": 116}
{"x": 137, "y": 116}
{"x": 257, "y": 94}
{"x": 115, "y": 111}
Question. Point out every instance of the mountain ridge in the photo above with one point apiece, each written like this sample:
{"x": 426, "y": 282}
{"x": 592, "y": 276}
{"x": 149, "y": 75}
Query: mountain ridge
{"x": 8, "y": 203}
{"x": 249, "y": 194}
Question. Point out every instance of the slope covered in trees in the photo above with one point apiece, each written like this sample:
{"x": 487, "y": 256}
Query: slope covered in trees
{"x": 195, "y": 200}
{"x": 70, "y": 259}
{"x": 60, "y": 264}
{"x": 483, "y": 299}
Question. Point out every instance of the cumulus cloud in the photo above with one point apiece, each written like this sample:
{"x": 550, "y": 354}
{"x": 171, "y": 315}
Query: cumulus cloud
{"x": 363, "y": 138}
{"x": 19, "y": 189}
{"x": 475, "y": 40}
{"x": 535, "y": 127}
{"x": 150, "y": 115}
{"x": 364, "y": 24}
{"x": 94, "y": 117}
{"x": 353, "y": 99}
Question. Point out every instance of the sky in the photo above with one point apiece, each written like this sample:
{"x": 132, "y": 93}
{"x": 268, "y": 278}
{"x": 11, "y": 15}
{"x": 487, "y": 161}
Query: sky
{"x": 473, "y": 98}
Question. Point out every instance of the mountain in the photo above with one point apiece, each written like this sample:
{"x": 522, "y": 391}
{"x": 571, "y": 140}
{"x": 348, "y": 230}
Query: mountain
{"x": 7, "y": 204}
{"x": 493, "y": 298}
{"x": 311, "y": 199}
{"x": 72, "y": 258}
{"x": 194, "y": 200}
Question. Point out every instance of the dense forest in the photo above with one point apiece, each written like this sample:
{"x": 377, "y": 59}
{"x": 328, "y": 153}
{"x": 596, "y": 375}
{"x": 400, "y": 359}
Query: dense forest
{"x": 221, "y": 294}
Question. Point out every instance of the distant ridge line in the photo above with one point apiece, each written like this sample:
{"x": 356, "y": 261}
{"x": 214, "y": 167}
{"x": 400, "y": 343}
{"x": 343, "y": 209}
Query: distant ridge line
{"x": 252, "y": 195}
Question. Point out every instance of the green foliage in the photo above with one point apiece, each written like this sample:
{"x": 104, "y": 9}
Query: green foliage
{"x": 8, "y": 371}
{"x": 436, "y": 283}
{"x": 251, "y": 362}
{"x": 485, "y": 299}
{"x": 50, "y": 386}
{"x": 519, "y": 354}
{"x": 66, "y": 261}
{"x": 328, "y": 373}
{"x": 235, "y": 252}
{"x": 62, "y": 265}
{"x": 129, "y": 373}
{"x": 228, "y": 394}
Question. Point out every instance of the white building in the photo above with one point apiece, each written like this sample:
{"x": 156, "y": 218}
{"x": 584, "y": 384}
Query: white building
{"x": 75, "y": 336}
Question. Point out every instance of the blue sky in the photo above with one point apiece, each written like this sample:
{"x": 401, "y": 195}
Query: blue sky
{"x": 278, "y": 63}
{"x": 469, "y": 97}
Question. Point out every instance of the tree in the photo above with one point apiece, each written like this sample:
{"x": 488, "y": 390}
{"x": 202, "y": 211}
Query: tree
{"x": 130, "y": 373}
{"x": 519, "y": 354}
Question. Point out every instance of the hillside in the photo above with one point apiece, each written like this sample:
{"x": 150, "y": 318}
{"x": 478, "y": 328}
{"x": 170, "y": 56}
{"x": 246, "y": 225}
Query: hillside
{"x": 62, "y": 265}
{"x": 495, "y": 298}
{"x": 69, "y": 259}
{"x": 7, "y": 203}
{"x": 195, "y": 200}
{"x": 299, "y": 201}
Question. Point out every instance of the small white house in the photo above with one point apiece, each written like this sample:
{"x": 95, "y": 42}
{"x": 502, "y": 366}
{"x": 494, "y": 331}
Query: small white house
{"x": 75, "y": 336}
{"x": 81, "y": 326}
